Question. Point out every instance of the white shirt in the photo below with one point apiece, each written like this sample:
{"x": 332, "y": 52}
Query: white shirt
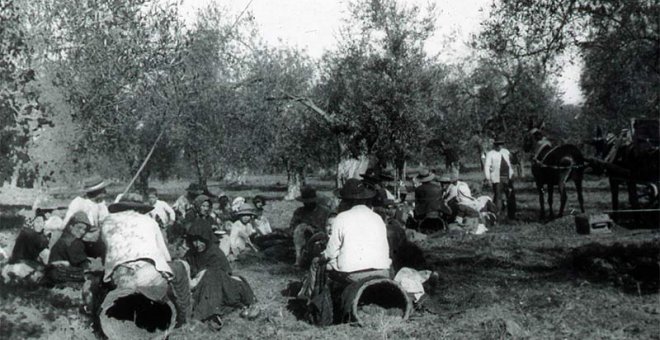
{"x": 130, "y": 236}
{"x": 460, "y": 190}
{"x": 182, "y": 205}
{"x": 239, "y": 236}
{"x": 95, "y": 212}
{"x": 493, "y": 163}
{"x": 358, "y": 241}
{"x": 164, "y": 212}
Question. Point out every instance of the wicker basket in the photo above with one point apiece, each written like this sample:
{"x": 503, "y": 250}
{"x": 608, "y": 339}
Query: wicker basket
{"x": 127, "y": 314}
{"x": 374, "y": 290}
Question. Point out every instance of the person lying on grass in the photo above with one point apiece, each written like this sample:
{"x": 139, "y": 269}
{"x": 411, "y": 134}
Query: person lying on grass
{"x": 216, "y": 291}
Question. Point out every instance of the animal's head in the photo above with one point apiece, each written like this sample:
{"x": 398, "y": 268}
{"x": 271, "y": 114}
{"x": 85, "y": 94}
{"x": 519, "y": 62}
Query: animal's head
{"x": 532, "y": 135}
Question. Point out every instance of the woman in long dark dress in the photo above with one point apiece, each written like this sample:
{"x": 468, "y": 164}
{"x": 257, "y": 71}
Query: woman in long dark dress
{"x": 216, "y": 291}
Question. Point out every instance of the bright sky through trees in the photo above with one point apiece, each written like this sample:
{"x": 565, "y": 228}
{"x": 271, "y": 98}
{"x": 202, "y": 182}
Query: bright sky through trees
{"x": 313, "y": 25}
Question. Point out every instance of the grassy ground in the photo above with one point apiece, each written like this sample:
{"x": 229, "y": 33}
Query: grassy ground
{"x": 522, "y": 280}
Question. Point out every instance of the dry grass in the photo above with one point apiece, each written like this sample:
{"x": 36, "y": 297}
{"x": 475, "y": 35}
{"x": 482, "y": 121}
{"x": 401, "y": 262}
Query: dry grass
{"x": 516, "y": 282}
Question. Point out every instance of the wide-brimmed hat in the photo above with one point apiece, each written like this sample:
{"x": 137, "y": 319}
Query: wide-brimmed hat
{"x": 307, "y": 195}
{"x": 94, "y": 183}
{"x": 246, "y": 208}
{"x": 355, "y": 189}
{"x": 375, "y": 176}
{"x": 425, "y": 175}
{"x": 131, "y": 201}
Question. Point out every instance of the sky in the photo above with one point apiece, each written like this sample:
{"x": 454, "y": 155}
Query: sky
{"x": 314, "y": 24}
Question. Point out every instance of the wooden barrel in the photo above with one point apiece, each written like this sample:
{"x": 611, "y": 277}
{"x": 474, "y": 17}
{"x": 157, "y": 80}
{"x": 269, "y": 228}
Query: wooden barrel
{"x": 128, "y": 314}
{"x": 374, "y": 291}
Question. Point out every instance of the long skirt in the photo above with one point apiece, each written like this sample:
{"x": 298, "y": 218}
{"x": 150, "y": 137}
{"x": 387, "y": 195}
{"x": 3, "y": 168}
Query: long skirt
{"x": 218, "y": 293}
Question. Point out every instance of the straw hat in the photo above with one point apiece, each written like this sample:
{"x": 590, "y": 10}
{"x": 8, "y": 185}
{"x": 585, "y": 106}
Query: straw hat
{"x": 355, "y": 189}
{"x": 94, "y": 183}
{"x": 246, "y": 208}
{"x": 425, "y": 175}
{"x": 307, "y": 195}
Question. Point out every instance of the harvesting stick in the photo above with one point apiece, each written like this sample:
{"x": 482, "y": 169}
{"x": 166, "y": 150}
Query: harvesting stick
{"x": 144, "y": 163}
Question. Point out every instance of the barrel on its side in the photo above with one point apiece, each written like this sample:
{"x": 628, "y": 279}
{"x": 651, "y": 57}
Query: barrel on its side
{"x": 128, "y": 314}
{"x": 377, "y": 291}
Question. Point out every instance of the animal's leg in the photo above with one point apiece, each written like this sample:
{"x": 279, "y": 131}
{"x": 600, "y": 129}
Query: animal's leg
{"x": 562, "y": 197}
{"x": 539, "y": 188}
{"x": 550, "y": 189}
{"x": 578, "y": 188}
{"x": 614, "y": 190}
{"x": 632, "y": 194}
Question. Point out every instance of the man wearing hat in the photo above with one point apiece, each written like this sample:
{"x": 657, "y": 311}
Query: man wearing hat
{"x": 358, "y": 246}
{"x": 184, "y": 202}
{"x": 374, "y": 180}
{"x": 311, "y": 213}
{"x": 93, "y": 204}
{"x": 136, "y": 254}
{"x": 455, "y": 192}
{"x": 499, "y": 172}
{"x": 427, "y": 193}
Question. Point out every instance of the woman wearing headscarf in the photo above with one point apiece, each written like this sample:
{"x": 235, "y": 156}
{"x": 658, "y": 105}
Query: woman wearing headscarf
{"x": 68, "y": 258}
{"x": 216, "y": 292}
{"x": 200, "y": 213}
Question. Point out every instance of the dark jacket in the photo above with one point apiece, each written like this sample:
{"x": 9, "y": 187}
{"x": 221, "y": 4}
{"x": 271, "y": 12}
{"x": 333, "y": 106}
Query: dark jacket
{"x": 29, "y": 244}
{"x": 69, "y": 248}
{"x": 426, "y": 194}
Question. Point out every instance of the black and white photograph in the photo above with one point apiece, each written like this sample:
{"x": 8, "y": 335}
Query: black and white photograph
{"x": 329, "y": 169}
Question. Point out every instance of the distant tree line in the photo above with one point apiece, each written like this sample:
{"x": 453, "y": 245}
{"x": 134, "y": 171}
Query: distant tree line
{"x": 93, "y": 86}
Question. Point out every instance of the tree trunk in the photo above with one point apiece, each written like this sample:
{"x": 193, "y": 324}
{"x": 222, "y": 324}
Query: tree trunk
{"x": 294, "y": 182}
{"x": 341, "y": 150}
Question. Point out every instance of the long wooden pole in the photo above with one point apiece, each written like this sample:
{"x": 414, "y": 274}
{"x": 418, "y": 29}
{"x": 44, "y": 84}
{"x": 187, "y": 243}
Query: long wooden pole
{"x": 144, "y": 163}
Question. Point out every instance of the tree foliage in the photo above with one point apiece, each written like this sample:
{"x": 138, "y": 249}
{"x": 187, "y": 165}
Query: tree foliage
{"x": 379, "y": 84}
{"x": 618, "y": 39}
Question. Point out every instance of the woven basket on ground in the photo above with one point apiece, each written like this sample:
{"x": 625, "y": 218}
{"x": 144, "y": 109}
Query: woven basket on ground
{"x": 374, "y": 290}
{"x": 127, "y": 314}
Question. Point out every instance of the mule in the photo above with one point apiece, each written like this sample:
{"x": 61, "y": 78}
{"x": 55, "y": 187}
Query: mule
{"x": 556, "y": 166}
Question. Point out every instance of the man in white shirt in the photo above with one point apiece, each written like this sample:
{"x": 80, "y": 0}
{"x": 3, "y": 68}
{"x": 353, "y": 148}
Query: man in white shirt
{"x": 358, "y": 245}
{"x": 499, "y": 172}
{"x": 162, "y": 212}
{"x": 455, "y": 192}
{"x": 93, "y": 205}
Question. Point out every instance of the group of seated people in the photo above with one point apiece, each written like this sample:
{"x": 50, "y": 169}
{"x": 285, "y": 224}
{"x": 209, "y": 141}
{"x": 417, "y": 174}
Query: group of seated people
{"x": 143, "y": 245}
{"x": 136, "y": 243}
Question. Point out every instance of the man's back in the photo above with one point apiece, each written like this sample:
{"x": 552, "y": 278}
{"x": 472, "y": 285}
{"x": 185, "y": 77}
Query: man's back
{"x": 424, "y": 195}
{"x": 359, "y": 241}
{"x": 314, "y": 217}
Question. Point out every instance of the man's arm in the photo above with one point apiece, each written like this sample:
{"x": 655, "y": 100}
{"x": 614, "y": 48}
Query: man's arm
{"x": 487, "y": 165}
{"x": 169, "y": 211}
{"x": 331, "y": 251}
